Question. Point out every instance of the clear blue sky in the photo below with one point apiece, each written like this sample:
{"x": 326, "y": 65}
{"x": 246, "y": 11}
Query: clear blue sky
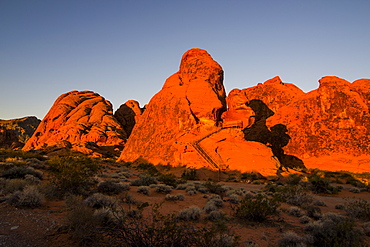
{"x": 126, "y": 49}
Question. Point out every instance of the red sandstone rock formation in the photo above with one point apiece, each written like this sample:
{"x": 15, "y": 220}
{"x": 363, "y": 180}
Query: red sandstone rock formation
{"x": 128, "y": 114}
{"x": 77, "y": 119}
{"x": 333, "y": 120}
{"x": 181, "y": 123}
{"x": 8, "y": 138}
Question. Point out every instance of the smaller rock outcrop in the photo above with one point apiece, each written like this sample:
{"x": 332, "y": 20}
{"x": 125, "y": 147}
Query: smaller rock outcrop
{"x": 23, "y": 127}
{"x": 128, "y": 114}
{"x": 78, "y": 118}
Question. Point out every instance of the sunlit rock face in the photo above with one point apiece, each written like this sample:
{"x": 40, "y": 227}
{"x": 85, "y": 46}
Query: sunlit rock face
{"x": 184, "y": 120}
{"x": 333, "y": 120}
{"x": 78, "y": 119}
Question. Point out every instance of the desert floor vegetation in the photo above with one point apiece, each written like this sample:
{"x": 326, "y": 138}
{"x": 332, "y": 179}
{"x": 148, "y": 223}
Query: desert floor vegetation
{"x": 76, "y": 200}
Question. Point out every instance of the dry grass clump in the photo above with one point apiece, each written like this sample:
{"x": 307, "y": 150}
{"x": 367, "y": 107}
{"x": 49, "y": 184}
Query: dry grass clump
{"x": 30, "y": 197}
{"x": 144, "y": 181}
{"x": 13, "y": 185}
{"x": 21, "y": 172}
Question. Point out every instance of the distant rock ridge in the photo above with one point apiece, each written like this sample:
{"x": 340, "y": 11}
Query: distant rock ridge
{"x": 81, "y": 120}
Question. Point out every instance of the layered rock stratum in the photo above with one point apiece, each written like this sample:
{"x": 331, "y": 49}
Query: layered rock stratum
{"x": 182, "y": 124}
{"x": 81, "y": 120}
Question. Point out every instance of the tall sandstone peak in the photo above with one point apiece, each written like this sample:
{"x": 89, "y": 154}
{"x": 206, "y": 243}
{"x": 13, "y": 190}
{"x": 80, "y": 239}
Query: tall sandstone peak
{"x": 329, "y": 127}
{"x": 181, "y": 125}
{"x": 77, "y": 119}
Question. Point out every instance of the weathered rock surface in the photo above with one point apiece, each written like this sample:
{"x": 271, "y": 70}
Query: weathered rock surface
{"x": 331, "y": 121}
{"x": 128, "y": 114}
{"x": 23, "y": 127}
{"x": 181, "y": 125}
{"x": 80, "y": 118}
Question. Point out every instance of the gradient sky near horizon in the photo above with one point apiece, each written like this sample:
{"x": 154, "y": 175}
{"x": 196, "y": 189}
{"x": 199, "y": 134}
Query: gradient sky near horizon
{"x": 125, "y": 49}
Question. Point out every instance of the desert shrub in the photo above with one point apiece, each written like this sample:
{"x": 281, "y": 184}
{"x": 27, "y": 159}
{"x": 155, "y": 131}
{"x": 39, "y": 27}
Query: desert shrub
{"x": 209, "y": 207}
{"x": 319, "y": 203}
{"x": 295, "y": 211}
{"x": 98, "y": 200}
{"x": 234, "y": 198}
{"x": 10, "y": 153}
{"x": 13, "y": 185}
{"x": 30, "y": 197}
{"x": 217, "y": 201}
{"x": 111, "y": 188}
{"x": 144, "y": 181}
{"x": 214, "y": 188}
{"x": 143, "y": 190}
{"x": 72, "y": 174}
{"x": 313, "y": 211}
{"x": 202, "y": 189}
{"x": 304, "y": 219}
{"x": 293, "y": 195}
{"x": 189, "y": 174}
{"x": 358, "y": 208}
{"x": 21, "y": 172}
{"x": 319, "y": 185}
{"x": 354, "y": 190}
{"x": 339, "y": 206}
{"x": 32, "y": 179}
{"x": 216, "y": 215}
{"x": 191, "y": 213}
{"x": 250, "y": 176}
{"x": 165, "y": 230}
{"x": 182, "y": 186}
{"x": 162, "y": 188}
{"x": 366, "y": 228}
{"x": 334, "y": 230}
{"x": 178, "y": 197}
{"x": 169, "y": 179}
{"x": 291, "y": 239}
{"x": 256, "y": 209}
{"x": 148, "y": 168}
{"x": 294, "y": 179}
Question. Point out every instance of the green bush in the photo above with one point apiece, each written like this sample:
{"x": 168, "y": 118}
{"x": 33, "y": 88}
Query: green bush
{"x": 169, "y": 179}
{"x": 250, "y": 176}
{"x": 214, "y": 188}
{"x": 72, "y": 174}
{"x": 257, "y": 209}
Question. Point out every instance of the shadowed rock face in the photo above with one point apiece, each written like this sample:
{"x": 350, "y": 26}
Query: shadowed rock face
{"x": 128, "y": 114}
{"x": 22, "y": 127}
{"x": 8, "y": 138}
{"x": 78, "y": 118}
{"x": 188, "y": 109}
